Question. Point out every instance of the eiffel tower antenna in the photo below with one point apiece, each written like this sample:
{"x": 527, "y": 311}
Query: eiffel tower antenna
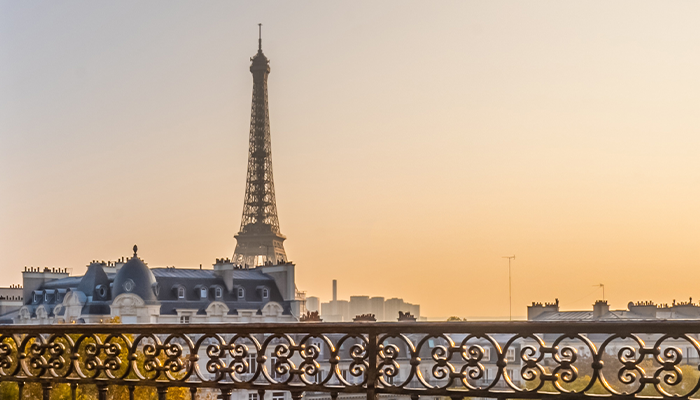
{"x": 259, "y": 241}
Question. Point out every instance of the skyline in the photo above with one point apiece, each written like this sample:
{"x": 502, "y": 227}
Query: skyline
{"x": 416, "y": 150}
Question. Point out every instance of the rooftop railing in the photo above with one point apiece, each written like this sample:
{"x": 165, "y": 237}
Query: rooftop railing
{"x": 331, "y": 360}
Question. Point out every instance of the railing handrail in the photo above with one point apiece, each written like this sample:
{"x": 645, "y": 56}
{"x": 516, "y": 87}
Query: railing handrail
{"x": 520, "y": 327}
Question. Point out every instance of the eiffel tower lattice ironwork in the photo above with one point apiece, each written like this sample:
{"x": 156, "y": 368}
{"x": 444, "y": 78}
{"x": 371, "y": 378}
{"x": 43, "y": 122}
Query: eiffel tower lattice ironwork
{"x": 259, "y": 241}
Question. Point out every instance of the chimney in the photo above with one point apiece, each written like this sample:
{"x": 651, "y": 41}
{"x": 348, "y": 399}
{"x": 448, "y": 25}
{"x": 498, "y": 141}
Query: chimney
{"x": 335, "y": 290}
{"x": 537, "y": 309}
{"x": 600, "y": 308}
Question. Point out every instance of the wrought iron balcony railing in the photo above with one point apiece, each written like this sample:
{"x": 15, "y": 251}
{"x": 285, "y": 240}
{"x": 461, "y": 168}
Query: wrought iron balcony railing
{"x": 331, "y": 360}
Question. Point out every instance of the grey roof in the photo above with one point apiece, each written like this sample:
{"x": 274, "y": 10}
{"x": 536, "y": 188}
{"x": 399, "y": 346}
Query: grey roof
{"x": 95, "y": 277}
{"x": 69, "y": 282}
{"x": 193, "y": 280}
{"x": 135, "y": 277}
{"x": 165, "y": 282}
{"x": 588, "y": 316}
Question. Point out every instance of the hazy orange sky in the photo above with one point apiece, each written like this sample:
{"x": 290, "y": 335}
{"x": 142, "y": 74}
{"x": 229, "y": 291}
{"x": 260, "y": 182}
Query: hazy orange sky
{"x": 414, "y": 143}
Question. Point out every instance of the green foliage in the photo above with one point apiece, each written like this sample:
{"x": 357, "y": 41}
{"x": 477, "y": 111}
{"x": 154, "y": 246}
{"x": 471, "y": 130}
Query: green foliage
{"x": 455, "y": 319}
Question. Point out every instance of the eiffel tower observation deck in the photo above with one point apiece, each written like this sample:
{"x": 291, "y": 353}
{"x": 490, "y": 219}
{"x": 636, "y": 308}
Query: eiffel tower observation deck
{"x": 259, "y": 241}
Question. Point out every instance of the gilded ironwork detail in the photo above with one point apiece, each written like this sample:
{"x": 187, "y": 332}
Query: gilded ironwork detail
{"x": 513, "y": 360}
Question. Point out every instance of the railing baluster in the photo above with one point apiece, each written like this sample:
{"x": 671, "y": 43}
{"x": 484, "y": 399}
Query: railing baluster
{"x": 46, "y": 390}
{"x": 261, "y": 394}
{"x": 102, "y": 391}
{"x": 297, "y": 394}
{"x": 193, "y": 392}
{"x": 225, "y": 393}
{"x": 20, "y": 390}
{"x": 73, "y": 389}
{"x": 372, "y": 375}
{"x": 162, "y": 392}
{"x": 131, "y": 392}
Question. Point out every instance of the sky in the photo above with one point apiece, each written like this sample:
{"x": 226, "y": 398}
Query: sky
{"x": 414, "y": 143}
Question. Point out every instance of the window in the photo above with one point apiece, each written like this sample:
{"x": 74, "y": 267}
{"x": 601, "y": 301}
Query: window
{"x": 46, "y": 297}
{"x": 101, "y": 291}
{"x": 318, "y": 378}
{"x": 510, "y": 355}
{"x": 203, "y": 293}
{"x": 486, "y": 374}
{"x": 252, "y": 396}
{"x": 319, "y": 347}
{"x": 181, "y": 292}
{"x": 218, "y": 292}
{"x": 487, "y": 354}
{"x": 129, "y": 285}
{"x": 241, "y": 293}
{"x": 277, "y": 395}
{"x": 273, "y": 369}
{"x": 37, "y": 297}
{"x": 265, "y": 293}
{"x": 252, "y": 363}
{"x": 184, "y": 319}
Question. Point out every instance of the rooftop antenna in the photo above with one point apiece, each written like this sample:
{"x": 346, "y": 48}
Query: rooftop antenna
{"x": 510, "y": 295}
{"x": 600, "y": 285}
{"x": 259, "y": 37}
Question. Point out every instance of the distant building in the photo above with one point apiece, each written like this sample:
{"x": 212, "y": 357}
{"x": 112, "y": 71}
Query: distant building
{"x": 383, "y": 310}
{"x": 10, "y": 298}
{"x": 639, "y": 311}
{"x": 135, "y": 293}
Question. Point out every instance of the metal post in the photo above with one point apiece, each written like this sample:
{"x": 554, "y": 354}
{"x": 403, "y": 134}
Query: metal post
{"x": 510, "y": 289}
{"x": 46, "y": 390}
{"x": 162, "y": 392}
{"x": 73, "y": 390}
{"x": 372, "y": 375}
{"x": 297, "y": 394}
{"x": 102, "y": 391}
{"x": 225, "y": 393}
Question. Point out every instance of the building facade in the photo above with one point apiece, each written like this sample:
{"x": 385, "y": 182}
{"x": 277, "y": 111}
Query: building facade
{"x": 133, "y": 292}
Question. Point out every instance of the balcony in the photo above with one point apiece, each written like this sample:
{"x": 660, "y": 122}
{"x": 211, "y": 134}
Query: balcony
{"x": 351, "y": 360}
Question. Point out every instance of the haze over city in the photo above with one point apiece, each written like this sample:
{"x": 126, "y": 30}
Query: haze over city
{"x": 414, "y": 144}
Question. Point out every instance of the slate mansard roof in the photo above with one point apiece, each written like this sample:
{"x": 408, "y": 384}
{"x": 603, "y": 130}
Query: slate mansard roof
{"x": 164, "y": 286}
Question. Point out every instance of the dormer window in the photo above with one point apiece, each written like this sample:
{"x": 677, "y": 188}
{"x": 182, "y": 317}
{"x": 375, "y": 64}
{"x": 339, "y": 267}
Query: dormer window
{"x": 203, "y": 293}
{"x": 46, "y": 297}
{"x": 265, "y": 293}
{"x": 180, "y": 292}
{"x": 129, "y": 285}
{"x": 37, "y": 298}
{"x": 241, "y": 293}
{"x": 101, "y": 291}
{"x": 218, "y": 293}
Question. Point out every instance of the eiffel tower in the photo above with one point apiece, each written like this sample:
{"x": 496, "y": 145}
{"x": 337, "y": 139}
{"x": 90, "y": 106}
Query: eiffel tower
{"x": 259, "y": 241}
